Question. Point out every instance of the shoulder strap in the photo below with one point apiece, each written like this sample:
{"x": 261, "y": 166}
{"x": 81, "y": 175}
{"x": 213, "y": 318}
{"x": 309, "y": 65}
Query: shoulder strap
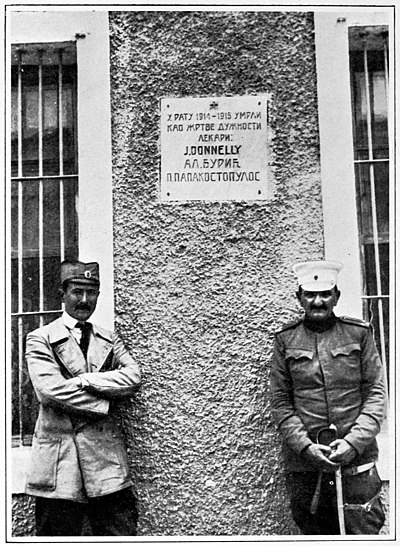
{"x": 355, "y": 321}
{"x": 290, "y": 325}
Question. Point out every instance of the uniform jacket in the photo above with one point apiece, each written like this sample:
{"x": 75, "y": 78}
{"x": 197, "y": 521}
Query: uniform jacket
{"x": 77, "y": 449}
{"x": 319, "y": 379}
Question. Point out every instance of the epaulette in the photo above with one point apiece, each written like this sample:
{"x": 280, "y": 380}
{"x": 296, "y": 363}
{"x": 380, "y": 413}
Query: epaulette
{"x": 290, "y": 325}
{"x": 355, "y": 321}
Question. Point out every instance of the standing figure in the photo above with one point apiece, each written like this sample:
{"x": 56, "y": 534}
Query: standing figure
{"x": 80, "y": 371}
{"x": 327, "y": 377}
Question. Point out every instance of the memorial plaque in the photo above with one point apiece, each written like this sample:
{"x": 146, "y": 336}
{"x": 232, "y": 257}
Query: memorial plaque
{"x": 214, "y": 149}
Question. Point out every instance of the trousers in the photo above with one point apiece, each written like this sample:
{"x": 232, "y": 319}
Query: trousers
{"x": 111, "y": 515}
{"x": 363, "y": 509}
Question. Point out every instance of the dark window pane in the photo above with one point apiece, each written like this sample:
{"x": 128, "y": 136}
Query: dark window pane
{"x": 385, "y": 267}
{"x": 30, "y": 284}
{"x": 69, "y": 117}
{"x": 14, "y": 285}
{"x": 381, "y": 172}
{"x": 364, "y": 201}
{"x": 14, "y": 218}
{"x": 371, "y": 267}
{"x": 51, "y": 283}
{"x": 30, "y": 218}
{"x": 14, "y": 123}
{"x": 378, "y": 173}
{"x": 30, "y": 120}
{"x": 15, "y": 376}
{"x": 70, "y": 219}
{"x": 51, "y": 147}
{"x": 51, "y": 217}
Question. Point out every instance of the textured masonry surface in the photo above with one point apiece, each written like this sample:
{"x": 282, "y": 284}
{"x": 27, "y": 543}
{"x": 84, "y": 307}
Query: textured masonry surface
{"x": 201, "y": 287}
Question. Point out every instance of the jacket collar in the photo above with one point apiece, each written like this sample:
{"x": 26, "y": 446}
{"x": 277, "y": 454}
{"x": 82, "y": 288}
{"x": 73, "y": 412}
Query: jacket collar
{"x": 67, "y": 349}
{"x": 58, "y": 331}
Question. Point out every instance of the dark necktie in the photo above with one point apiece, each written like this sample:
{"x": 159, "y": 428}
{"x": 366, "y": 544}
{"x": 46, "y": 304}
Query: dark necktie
{"x": 86, "y": 328}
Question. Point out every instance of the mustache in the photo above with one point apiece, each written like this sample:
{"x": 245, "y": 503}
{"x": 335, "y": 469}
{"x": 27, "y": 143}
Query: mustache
{"x": 319, "y": 307}
{"x": 83, "y": 307}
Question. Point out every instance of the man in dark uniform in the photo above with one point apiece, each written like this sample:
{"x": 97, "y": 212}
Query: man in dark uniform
{"x": 327, "y": 377}
{"x": 79, "y": 372}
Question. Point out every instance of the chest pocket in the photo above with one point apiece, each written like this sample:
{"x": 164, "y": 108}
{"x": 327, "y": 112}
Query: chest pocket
{"x": 346, "y": 349}
{"x": 346, "y": 362}
{"x": 302, "y": 367}
{"x": 299, "y": 354}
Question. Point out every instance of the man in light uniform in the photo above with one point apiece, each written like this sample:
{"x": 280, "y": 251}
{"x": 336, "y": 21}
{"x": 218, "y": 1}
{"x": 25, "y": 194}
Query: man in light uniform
{"x": 79, "y": 372}
{"x": 327, "y": 373}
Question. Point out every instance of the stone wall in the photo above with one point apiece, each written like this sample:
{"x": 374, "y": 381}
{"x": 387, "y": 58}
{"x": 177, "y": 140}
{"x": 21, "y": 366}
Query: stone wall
{"x": 201, "y": 287}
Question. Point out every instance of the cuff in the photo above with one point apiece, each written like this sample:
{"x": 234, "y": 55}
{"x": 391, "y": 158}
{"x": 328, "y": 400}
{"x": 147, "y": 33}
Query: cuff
{"x": 84, "y": 382}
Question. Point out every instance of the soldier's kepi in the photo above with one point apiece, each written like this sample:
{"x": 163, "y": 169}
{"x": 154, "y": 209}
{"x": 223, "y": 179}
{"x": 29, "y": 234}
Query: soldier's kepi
{"x": 327, "y": 377}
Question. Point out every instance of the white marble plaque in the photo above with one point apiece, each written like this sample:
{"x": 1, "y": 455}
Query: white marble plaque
{"x": 214, "y": 149}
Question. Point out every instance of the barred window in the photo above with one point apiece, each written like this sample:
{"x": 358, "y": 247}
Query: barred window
{"x": 44, "y": 189}
{"x": 369, "y": 81}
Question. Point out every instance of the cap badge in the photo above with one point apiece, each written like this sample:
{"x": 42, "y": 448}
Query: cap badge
{"x": 88, "y": 274}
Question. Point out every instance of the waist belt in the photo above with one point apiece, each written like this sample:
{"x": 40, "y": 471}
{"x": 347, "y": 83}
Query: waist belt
{"x": 353, "y": 470}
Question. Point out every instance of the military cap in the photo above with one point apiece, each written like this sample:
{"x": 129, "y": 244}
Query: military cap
{"x": 80, "y": 272}
{"x": 317, "y": 276}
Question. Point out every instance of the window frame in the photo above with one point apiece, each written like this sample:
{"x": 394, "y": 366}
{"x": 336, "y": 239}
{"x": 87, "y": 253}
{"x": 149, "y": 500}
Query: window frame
{"x": 90, "y": 31}
{"x": 341, "y": 235}
{"x": 336, "y": 146}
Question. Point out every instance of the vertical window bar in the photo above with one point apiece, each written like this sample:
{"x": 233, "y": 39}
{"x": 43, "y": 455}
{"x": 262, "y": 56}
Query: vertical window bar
{"x": 20, "y": 308}
{"x": 386, "y": 63}
{"x": 373, "y": 211}
{"x": 61, "y": 150}
{"x": 20, "y": 220}
{"x": 385, "y": 56}
{"x": 40, "y": 111}
{"x": 20, "y": 187}
{"x": 40, "y": 234}
{"x": 19, "y": 106}
{"x": 60, "y": 112}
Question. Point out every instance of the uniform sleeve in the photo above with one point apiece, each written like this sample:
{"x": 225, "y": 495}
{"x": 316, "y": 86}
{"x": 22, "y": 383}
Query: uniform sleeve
{"x": 291, "y": 427}
{"x": 374, "y": 397}
{"x": 52, "y": 388}
{"x": 120, "y": 382}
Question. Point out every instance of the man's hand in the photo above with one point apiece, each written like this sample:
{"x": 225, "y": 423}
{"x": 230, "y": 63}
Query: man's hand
{"x": 342, "y": 452}
{"x": 319, "y": 456}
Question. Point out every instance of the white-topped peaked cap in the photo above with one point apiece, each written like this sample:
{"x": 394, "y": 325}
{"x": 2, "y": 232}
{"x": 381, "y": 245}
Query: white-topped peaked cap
{"x": 317, "y": 276}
